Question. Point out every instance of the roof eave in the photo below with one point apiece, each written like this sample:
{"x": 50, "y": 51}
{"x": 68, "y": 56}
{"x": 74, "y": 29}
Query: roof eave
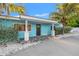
{"x": 29, "y": 18}
{"x": 37, "y": 19}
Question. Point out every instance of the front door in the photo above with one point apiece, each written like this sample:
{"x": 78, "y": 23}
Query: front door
{"x": 38, "y": 29}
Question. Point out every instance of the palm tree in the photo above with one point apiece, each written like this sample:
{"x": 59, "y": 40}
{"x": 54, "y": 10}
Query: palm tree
{"x": 15, "y": 8}
{"x": 60, "y": 18}
{"x": 64, "y": 12}
{"x": 20, "y": 10}
{"x": 10, "y": 7}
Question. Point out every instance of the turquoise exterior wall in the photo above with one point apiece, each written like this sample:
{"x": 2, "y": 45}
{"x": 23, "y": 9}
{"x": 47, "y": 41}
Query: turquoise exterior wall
{"x": 32, "y": 33}
{"x": 8, "y": 23}
{"x": 45, "y": 29}
{"x": 21, "y": 35}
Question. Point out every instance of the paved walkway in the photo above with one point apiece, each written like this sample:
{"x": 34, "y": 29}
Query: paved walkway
{"x": 68, "y": 46}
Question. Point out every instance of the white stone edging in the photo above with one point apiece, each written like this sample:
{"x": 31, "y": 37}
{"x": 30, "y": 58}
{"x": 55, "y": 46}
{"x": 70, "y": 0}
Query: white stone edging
{"x": 10, "y": 49}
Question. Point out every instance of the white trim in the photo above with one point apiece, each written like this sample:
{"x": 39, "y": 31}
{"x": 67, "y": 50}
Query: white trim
{"x": 53, "y": 31}
{"x": 35, "y": 19}
{"x": 29, "y": 18}
{"x": 9, "y": 17}
{"x": 26, "y": 31}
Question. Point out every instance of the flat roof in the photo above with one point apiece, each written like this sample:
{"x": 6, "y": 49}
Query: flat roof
{"x": 29, "y": 18}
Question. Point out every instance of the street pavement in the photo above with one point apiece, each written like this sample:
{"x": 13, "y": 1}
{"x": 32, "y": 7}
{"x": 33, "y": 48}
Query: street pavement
{"x": 65, "y": 46}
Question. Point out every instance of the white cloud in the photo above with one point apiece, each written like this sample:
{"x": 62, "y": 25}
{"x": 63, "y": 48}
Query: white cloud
{"x": 42, "y": 15}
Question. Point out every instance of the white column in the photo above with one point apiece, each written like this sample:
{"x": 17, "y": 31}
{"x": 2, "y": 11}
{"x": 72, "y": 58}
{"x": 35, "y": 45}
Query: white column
{"x": 26, "y": 31}
{"x": 53, "y": 31}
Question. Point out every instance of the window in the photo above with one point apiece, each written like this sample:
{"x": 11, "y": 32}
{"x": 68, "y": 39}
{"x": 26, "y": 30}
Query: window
{"x": 29, "y": 27}
{"x": 19, "y": 27}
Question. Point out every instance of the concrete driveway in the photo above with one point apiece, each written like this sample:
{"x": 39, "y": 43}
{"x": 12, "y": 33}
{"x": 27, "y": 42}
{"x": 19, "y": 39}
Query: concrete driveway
{"x": 68, "y": 46}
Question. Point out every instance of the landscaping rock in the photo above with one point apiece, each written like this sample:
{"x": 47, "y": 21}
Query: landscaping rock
{"x": 14, "y": 47}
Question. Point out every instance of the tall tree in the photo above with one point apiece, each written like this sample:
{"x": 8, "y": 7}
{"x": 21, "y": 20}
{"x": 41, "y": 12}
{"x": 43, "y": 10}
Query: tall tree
{"x": 10, "y": 7}
{"x": 20, "y": 10}
{"x": 64, "y": 12}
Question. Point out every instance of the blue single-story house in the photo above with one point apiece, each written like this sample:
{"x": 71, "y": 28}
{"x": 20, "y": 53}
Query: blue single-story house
{"x": 29, "y": 26}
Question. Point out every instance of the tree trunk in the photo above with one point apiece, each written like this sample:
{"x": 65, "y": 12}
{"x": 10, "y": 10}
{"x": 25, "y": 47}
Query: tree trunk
{"x": 63, "y": 30}
{"x": 7, "y": 9}
{"x": 0, "y": 9}
{"x": 63, "y": 20}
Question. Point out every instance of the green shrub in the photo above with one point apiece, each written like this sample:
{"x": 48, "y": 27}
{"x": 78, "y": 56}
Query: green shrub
{"x": 60, "y": 30}
{"x": 8, "y": 36}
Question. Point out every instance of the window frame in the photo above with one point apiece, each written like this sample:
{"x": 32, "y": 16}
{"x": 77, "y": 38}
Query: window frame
{"x": 19, "y": 27}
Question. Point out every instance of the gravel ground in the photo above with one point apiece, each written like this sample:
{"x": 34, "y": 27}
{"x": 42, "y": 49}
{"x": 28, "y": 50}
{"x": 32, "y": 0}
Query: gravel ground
{"x": 14, "y": 47}
{"x": 66, "y": 46}
{"x": 62, "y": 45}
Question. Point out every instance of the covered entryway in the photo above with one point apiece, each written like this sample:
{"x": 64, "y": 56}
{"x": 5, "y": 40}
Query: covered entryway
{"x": 38, "y": 22}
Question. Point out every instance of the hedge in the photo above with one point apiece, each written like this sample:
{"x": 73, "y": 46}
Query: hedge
{"x": 60, "y": 30}
{"x": 8, "y": 36}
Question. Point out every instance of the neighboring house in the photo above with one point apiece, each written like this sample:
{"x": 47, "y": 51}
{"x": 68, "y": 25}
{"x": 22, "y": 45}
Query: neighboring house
{"x": 29, "y": 26}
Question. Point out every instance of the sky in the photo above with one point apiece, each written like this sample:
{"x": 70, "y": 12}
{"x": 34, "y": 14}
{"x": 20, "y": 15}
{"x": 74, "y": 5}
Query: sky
{"x": 41, "y": 10}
